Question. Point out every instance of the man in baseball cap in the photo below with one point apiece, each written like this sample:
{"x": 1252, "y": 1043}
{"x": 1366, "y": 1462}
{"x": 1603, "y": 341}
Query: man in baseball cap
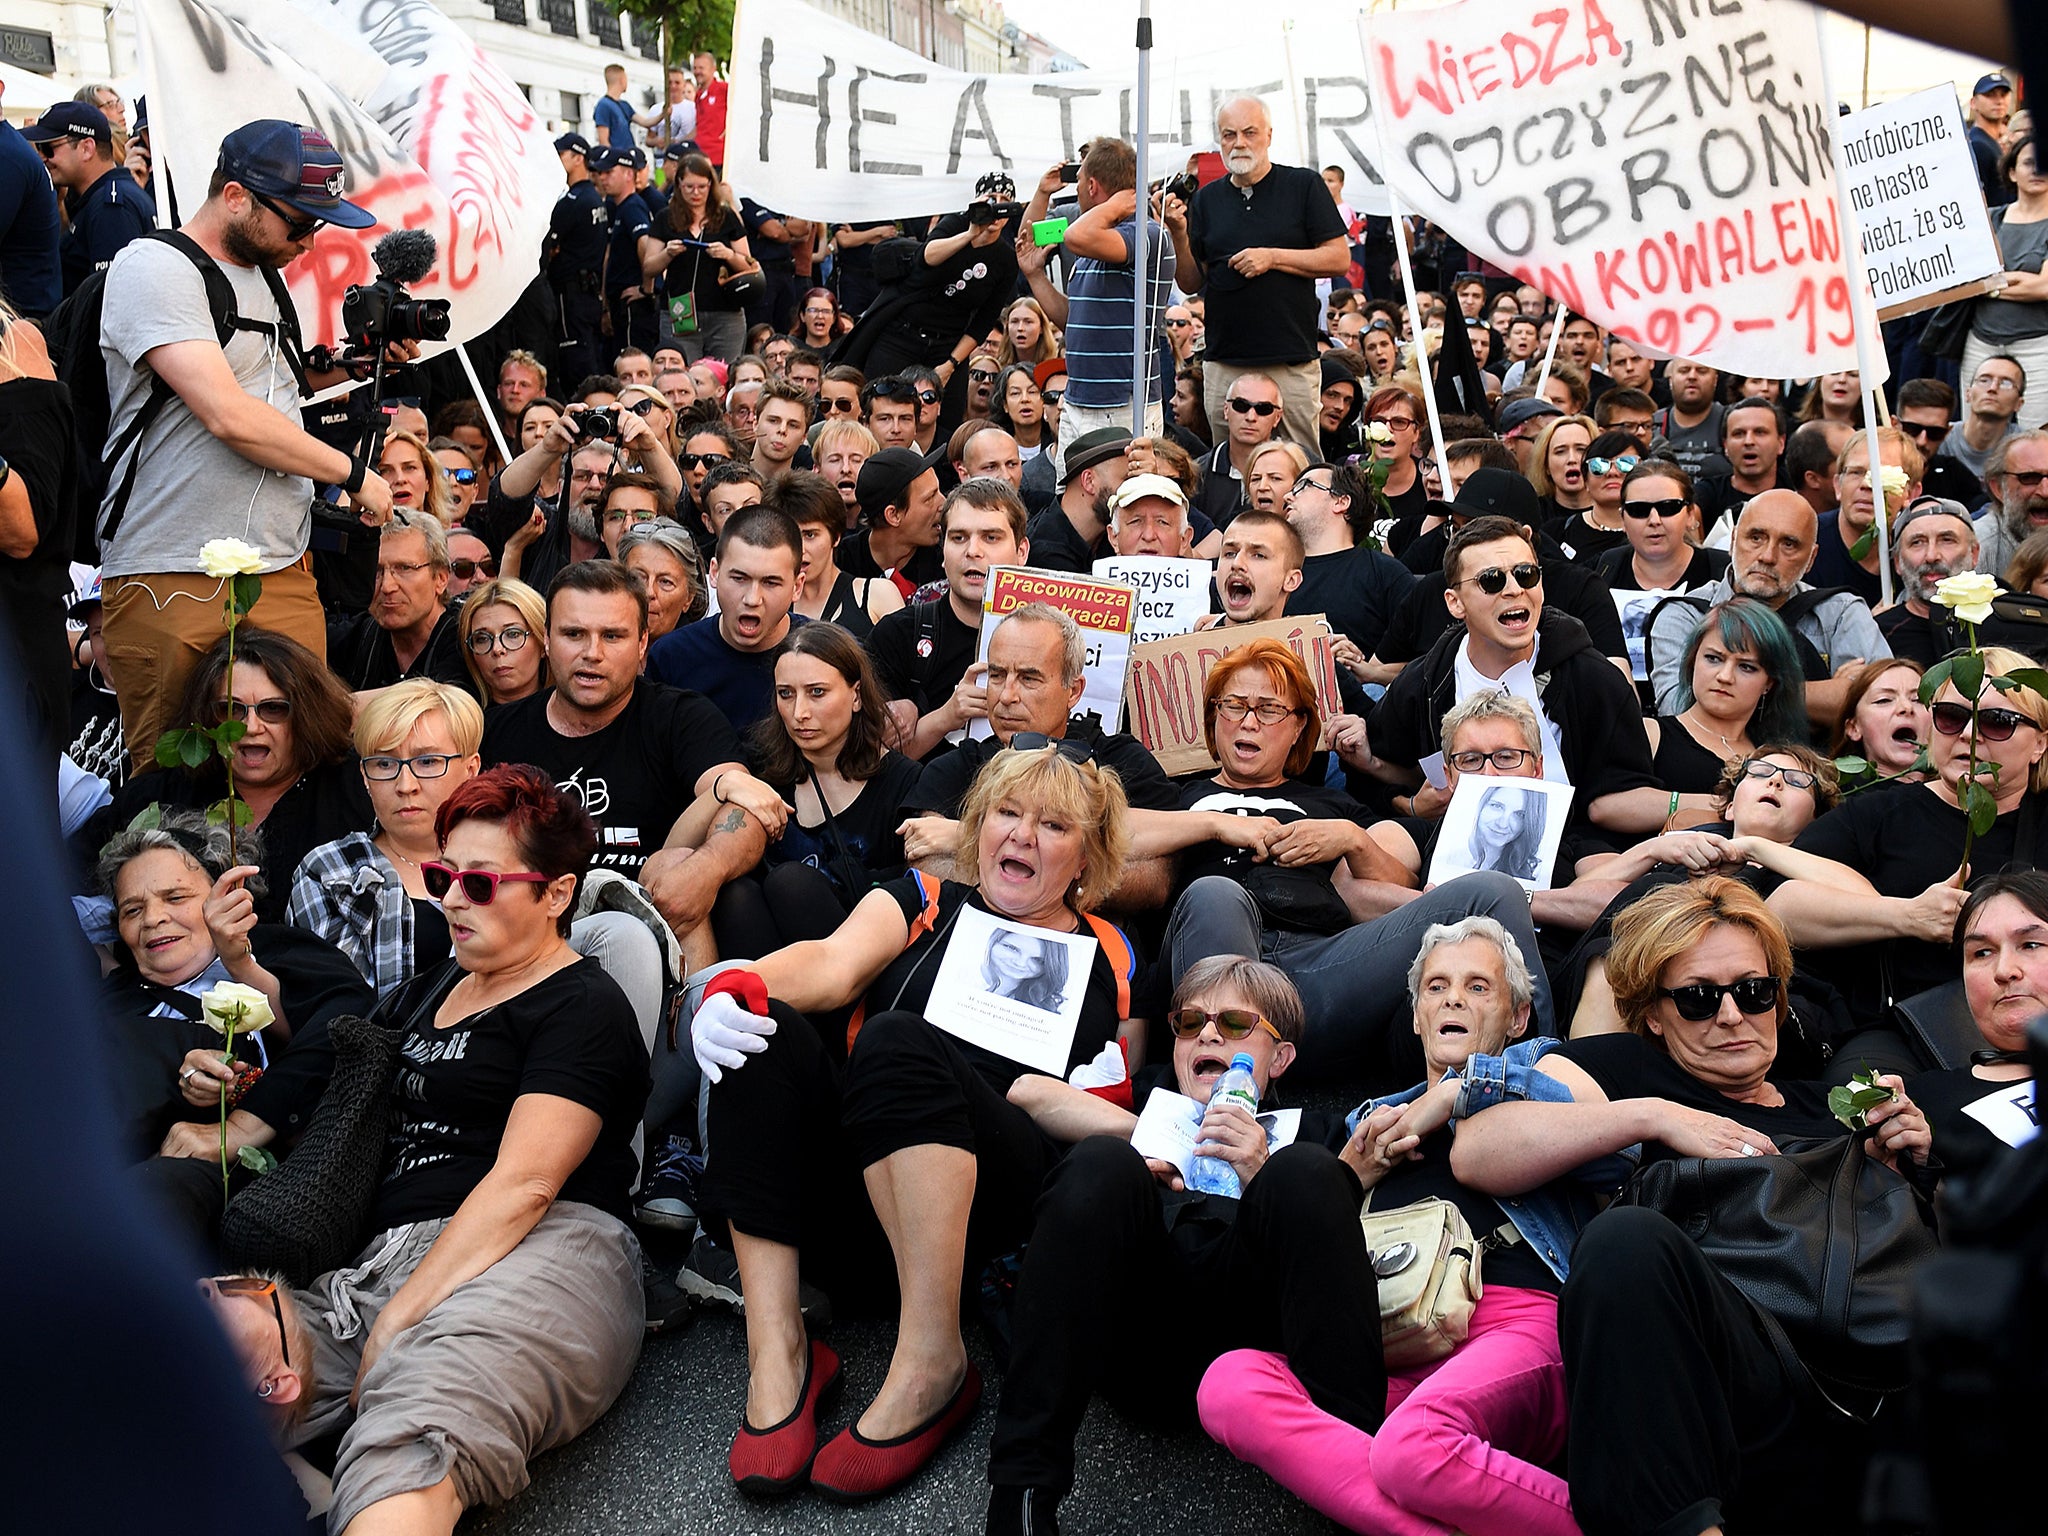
{"x": 287, "y": 167}
{"x": 1990, "y": 113}
{"x": 108, "y": 208}
{"x": 899, "y": 496}
{"x": 1521, "y": 422}
{"x": 1149, "y": 517}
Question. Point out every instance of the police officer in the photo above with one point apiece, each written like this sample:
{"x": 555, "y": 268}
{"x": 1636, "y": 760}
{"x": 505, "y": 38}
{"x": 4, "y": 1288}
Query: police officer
{"x": 578, "y": 230}
{"x": 107, "y": 208}
{"x": 629, "y": 306}
{"x": 654, "y": 197}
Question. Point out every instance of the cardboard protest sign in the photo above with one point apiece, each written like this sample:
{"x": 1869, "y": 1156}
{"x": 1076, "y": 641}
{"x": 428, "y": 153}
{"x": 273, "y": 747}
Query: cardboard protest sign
{"x": 1164, "y": 696}
{"x": 838, "y": 122}
{"x": 1661, "y": 167}
{"x": 1173, "y": 594}
{"x": 433, "y": 135}
{"x": 1926, "y": 236}
{"x": 1105, "y": 610}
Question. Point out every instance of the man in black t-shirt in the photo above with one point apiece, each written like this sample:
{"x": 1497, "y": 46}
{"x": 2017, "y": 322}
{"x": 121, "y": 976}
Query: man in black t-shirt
{"x": 410, "y": 630}
{"x": 1073, "y": 533}
{"x": 636, "y": 754}
{"x": 1253, "y": 245}
{"x": 1357, "y": 589}
{"x": 729, "y": 657}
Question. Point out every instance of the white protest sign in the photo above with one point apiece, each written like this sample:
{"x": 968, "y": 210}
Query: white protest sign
{"x": 1926, "y": 236}
{"x": 1012, "y": 989}
{"x": 1105, "y": 610}
{"x": 434, "y": 137}
{"x": 1514, "y": 826}
{"x": 1662, "y": 168}
{"x": 2012, "y": 1114}
{"x": 836, "y": 123}
{"x": 1173, "y": 594}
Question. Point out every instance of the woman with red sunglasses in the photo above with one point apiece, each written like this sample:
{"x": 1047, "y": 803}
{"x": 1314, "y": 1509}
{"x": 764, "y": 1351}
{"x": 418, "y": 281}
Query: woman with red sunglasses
{"x": 1909, "y": 841}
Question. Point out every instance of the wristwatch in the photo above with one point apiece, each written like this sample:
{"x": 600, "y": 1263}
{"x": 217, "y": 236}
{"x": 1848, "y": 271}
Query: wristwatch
{"x": 5, "y": 471}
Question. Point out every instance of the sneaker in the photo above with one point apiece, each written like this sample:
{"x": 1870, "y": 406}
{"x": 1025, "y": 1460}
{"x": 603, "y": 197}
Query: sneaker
{"x": 668, "y": 1194}
{"x": 711, "y": 1275}
{"x": 668, "y": 1305}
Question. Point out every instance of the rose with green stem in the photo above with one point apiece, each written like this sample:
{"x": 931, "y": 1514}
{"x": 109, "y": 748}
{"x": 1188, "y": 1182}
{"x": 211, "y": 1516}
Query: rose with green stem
{"x": 232, "y": 1009}
{"x": 238, "y": 565}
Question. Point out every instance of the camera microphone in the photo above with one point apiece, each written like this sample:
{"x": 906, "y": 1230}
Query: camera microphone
{"x": 405, "y": 255}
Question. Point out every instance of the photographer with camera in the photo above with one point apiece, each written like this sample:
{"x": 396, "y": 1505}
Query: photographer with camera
{"x": 205, "y": 440}
{"x": 1254, "y": 245}
{"x": 592, "y": 443}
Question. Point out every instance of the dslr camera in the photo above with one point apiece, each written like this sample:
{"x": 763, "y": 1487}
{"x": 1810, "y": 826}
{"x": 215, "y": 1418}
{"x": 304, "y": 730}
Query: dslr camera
{"x": 374, "y": 314}
{"x": 1184, "y": 186}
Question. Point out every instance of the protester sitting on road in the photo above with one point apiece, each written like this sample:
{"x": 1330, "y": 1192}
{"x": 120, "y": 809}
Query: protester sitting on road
{"x": 1739, "y": 688}
{"x": 824, "y": 591}
{"x": 1883, "y": 720}
{"x": 1601, "y": 526}
{"x": 913, "y": 1128}
{"x": 410, "y": 630}
{"x": 498, "y": 1279}
{"x": 504, "y": 631}
{"x": 1659, "y": 519}
{"x": 1111, "y": 1226}
{"x": 1661, "y": 1439}
{"x": 667, "y": 560}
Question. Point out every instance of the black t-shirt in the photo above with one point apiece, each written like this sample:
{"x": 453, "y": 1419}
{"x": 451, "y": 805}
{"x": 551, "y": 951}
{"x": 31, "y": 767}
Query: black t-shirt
{"x": 906, "y": 982}
{"x": 921, "y": 652}
{"x": 966, "y": 292}
{"x": 634, "y": 777}
{"x": 695, "y": 271}
{"x": 868, "y": 826}
{"x": 1358, "y": 590}
{"x": 1584, "y": 543}
{"x": 925, "y": 565}
{"x": 1270, "y": 318}
{"x": 359, "y": 652}
{"x": 1630, "y": 1067}
{"x": 1057, "y": 545}
{"x": 1302, "y": 898}
{"x": 945, "y": 782}
{"x": 1964, "y": 1145}
{"x": 571, "y": 1034}
{"x": 1617, "y": 568}
{"x": 740, "y": 683}
{"x": 1832, "y": 566}
{"x": 36, "y": 438}
{"x": 1904, "y": 839}
{"x": 1683, "y": 762}
{"x": 1408, "y": 1183}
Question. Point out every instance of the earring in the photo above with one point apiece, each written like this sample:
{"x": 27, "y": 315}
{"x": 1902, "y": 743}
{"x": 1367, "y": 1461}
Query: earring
{"x": 264, "y": 1390}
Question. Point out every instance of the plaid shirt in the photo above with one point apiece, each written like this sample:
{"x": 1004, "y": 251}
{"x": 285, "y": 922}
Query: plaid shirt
{"x": 351, "y": 895}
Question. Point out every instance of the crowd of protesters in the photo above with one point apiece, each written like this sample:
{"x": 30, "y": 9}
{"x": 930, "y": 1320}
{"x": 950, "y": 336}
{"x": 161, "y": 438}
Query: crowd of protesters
{"x": 628, "y": 751}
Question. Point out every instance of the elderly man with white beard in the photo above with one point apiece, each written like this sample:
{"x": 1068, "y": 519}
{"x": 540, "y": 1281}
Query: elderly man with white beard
{"x": 1932, "y": 539}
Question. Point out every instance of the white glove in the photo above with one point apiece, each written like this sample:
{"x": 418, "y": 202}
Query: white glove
{"x": 724, "y": 1034}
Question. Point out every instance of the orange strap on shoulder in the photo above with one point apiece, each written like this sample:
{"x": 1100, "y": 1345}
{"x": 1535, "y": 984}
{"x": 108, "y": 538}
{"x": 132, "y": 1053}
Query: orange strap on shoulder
{"x": 926, "y": 920}
{"x": 1123, "y": 961}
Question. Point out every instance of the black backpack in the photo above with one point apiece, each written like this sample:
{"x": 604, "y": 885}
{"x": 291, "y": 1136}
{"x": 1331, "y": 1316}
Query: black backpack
{"x": 898, "y": 259}
{"x": 73, "y": 336}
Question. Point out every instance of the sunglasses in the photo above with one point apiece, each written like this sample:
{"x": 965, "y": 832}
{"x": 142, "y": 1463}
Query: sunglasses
{"x": 255, "y": 1285}
{"x": 1620, "y": 466}
{"x": 1037, "y": 741}
{"x": 479, "y": 886}
{"x": 508, "y": 639}
{"x": 1506, "y": 759}
{"x": 427, "y": 765}
{"x": 1702, "y": 1000}
{"x": 461, "y": 476}
{"x": 844, "y": 406}
{"x": 1179, "y": 325}
{"x": 296, "y": 225}
{"x": 464, "y": 569}
{"x": 1381, "y": 325}
{"x": 1667, "y": 506}
{"x": 1992, "y": 724}
{"x": 690, "y": 461}
{"x": 1260, "y": 408}
{"x": 927, "y": 397}
{"x": 2028, "y": 480}
{"x": 1231, "y": 1023}
{"x": 643, "y": 408}
{"x": 981, "y": 375}
{"x": 1053, "y": 396}
{"x": 276, "y": 711}
{"x": 1493, "y": 580}
{"x": 1795, "y": 778}
{"x": 1924, "y": 429}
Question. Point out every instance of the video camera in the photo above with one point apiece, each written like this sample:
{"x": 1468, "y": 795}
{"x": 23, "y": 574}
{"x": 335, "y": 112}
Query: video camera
{"x": 375, "y": 314}
{"x": 1184, "y": 186}
{"x": 991, "y": 213}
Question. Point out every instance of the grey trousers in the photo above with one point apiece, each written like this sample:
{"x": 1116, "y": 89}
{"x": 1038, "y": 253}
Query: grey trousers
{"x": 1354, "y": 984}
{"x": 521, "y": 1359}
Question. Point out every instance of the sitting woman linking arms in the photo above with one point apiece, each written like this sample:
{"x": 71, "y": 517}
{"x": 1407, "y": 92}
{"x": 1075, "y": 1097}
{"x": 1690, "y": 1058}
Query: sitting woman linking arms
{"x": 912, "y": 1136}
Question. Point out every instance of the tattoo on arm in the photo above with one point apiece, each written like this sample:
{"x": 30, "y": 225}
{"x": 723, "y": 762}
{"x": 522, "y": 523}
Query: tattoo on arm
{"x": 733, "y": 819}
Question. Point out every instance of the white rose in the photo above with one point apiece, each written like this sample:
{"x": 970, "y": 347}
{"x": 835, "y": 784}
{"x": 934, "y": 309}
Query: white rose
{"x": 1969, "y": 595}
{"x": 225, "y": 999}
{"x": 1379, "y": 432}
{"x": 1893, "y": 479}
{"x": 230, "y": 557}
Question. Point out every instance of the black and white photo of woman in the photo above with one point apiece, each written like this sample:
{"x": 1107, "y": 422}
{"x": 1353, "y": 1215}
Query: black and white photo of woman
{"x": 1507, "y": 831}
{"x": 1031, "y": 970}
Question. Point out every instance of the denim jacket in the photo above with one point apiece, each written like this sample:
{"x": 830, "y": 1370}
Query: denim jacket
{"x": 1551, "y": 1216}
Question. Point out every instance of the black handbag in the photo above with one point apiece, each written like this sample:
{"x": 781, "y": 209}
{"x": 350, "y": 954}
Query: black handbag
{"x": 1947, "y": 329}
{"x": 1822, "y": 1239}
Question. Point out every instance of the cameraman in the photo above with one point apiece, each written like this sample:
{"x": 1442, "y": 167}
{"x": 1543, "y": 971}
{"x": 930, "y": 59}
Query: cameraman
{"x": 227, "y": 457}
{"x": 601, "y": 442}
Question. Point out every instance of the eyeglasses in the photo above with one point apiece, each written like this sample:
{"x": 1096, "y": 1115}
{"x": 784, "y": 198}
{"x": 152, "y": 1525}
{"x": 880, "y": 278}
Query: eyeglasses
{"x": 1260, "y": 408}
{"x": 1235, "y": 706}
{"x": 1763, "y": 768}
{"x": 1231, "y": 1023}
{"x": 397, "y": 572}
{"x": 690, "y": 461}
{"x": 1924, "y": 429}
{"x": 2027, "y": 479}
{"x": 1995, "y": 384}
{"x": 1506, "y": 759}
{"x": 1667, "y": 506}
{"x": 461, "y": 476}
{"x": 1037, "y": 741}
{"x": 269, "y": 711}
{"x": 257, "y": 1286}
{"x": 1992, "y": 724}
{"x": 1306, "y": 483}
{"x": 1620, "y": 466}
{"x": 427, "y": 765}
{"x": 508, "y": 639}
{"x": 296, "y": 225}
{"x": 479, "y": 886}
{"x": 464, "y": 569}
{"x": 1702, "y": 1000}
{"x": 1396, "y": 423}
{"x": 1493, "y": 580}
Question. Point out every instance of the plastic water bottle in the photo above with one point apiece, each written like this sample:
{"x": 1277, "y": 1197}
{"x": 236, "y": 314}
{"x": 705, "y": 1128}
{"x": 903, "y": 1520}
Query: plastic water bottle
{"x": 1212, "y": 1175}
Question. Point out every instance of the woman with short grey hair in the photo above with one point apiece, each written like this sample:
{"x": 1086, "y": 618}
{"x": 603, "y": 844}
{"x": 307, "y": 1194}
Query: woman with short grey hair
{"x": 669, "y": 562}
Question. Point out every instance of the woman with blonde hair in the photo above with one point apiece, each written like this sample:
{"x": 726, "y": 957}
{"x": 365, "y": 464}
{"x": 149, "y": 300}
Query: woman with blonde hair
{"x": 414, "y": 474}
{"x": 1028, "y": 336}
{"x": 504, "y": 630}
{"x": 1557, "y": 466}
{"x": 1270, "y": 474}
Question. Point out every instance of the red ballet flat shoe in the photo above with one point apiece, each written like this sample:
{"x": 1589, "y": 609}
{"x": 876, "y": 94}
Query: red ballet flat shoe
{"x": 777, "y": 1459}
{"x": 852, "y": 1467}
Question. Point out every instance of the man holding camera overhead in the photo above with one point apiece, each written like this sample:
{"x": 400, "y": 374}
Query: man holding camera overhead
{"x": 1096, "y": 310}
{"x": 1254, "y": 243}
{"x": 204, "y": 434}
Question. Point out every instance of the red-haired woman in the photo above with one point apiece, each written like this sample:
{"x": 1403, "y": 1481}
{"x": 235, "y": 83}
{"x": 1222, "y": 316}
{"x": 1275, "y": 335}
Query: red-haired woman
{"x": 497, "y": 1311}
{"x": 1397, "y": 411}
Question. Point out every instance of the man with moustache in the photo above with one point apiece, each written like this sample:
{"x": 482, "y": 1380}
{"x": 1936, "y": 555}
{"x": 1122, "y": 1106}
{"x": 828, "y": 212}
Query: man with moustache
{"x": 1073, "y": 533}
{"x": 1932, "y": 540}
{"x": 2016, "y": 473}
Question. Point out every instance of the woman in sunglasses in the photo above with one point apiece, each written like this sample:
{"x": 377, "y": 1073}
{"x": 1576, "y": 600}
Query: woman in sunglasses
{"x": 1659, "y": 519}
{"x": 1681, "y": 1407}
{"x": 498, "y": 1279}
{"x": 460, "y": 474}
{"x": 1288, "y": 1255}
{"x": 294, "y": 765}
{"x": 652, "y": 407}
{"x": 416, "y": 744}
{"x": 463, "y": 422}
{"x": 1740, "y": 687}
{"x": 1600, "y": 527}
{"x": 912, "y": 1132}
{"x": 1909, "y": 841}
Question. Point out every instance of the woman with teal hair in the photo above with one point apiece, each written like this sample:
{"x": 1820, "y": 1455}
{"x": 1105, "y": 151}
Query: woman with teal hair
{"x": 1740, "y": 689}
